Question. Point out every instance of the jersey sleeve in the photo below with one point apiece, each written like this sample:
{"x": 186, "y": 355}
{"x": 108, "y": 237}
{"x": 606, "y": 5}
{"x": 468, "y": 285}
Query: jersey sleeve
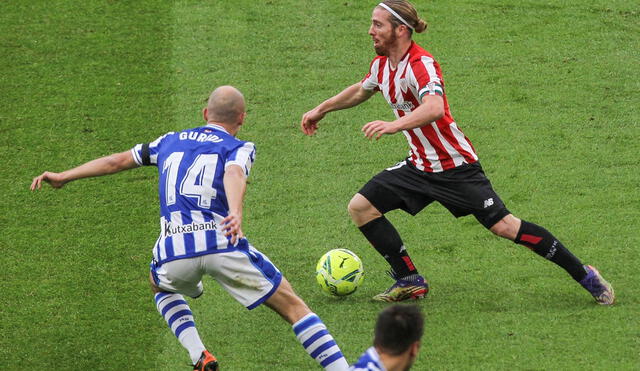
{"x": 427, "y": 81}
{"x": 370, "y": 81}
{"x": 243, "y": 156}
{"x": 146, "y": 154}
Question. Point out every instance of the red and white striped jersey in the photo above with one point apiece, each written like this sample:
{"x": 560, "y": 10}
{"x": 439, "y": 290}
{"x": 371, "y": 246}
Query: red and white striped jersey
{"x": 436, "y": 146}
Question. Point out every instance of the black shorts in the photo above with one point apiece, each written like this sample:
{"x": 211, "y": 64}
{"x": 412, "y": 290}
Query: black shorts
{"x": 463, "y": 190}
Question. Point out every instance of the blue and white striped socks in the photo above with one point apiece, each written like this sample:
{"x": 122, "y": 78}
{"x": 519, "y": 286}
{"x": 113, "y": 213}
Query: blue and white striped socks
{"x": 175, "y": 310}
{"x": 318, "y": 342}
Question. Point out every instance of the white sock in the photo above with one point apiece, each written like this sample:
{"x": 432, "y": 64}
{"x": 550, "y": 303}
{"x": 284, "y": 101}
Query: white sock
{"x": 175, "y": 310}
{"x": 190, "y": 339}
{"x": 318, "y": 342}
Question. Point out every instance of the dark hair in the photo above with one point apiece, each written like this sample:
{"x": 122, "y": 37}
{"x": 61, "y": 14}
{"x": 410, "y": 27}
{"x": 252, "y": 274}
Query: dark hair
{"x": 398, "y": 327}
{"x": 408, "y": 12}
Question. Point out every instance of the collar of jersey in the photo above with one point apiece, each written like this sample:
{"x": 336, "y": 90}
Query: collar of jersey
{"x": 216, "y": 126}
{"x": 404, "y": 58}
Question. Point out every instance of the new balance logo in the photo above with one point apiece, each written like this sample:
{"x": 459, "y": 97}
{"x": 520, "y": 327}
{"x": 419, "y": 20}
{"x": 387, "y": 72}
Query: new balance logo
{"x": 488, "y": 202}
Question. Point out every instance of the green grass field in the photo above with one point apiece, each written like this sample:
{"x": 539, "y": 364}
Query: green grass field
{"x": 548, "y": 92}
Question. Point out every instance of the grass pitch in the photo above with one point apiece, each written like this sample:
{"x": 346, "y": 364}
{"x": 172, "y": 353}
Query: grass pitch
{"x": 547, "y": 92}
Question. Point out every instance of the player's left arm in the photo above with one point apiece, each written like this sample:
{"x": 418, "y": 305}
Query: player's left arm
{"x": 431, "y": 109}
{"x": 235, "y": 185}
{"x": 101, "y": 166}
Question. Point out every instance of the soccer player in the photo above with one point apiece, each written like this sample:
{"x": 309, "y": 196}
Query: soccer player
{"x": 442, "y": 164}
{"x": 202, "y": 181}
{"x": 396, "y": 340}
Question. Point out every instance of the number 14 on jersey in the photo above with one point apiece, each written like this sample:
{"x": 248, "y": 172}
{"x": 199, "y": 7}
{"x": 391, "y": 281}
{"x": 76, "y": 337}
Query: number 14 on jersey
{"x": 197, "y": 181}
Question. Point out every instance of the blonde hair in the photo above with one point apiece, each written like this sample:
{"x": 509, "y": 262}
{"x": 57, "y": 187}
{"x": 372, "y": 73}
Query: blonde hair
{"x": 408, "y": 12}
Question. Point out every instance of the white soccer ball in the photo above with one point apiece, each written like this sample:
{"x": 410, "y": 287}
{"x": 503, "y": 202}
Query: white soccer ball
{"x": 339, "y": 272}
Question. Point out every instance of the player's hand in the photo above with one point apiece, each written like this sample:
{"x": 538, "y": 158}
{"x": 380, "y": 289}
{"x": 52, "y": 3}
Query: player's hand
{"x": 375, "y": 129}
{"x": 55, "y": 179}
{"x": 232, "y": 226}
{"x": 309, "y": 123}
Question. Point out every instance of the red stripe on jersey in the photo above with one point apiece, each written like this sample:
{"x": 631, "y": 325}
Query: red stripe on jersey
{"x": 447, "y": 133}
{"x": 534, "y": 240}
{"x": 381, "y": 66}
{"x": 421, "y": 153}
{"x": 421, "y": 74}
{"x": 430, "y": 134}
{"x": 409, "y": 97}
{"x": 392, "y": 85}
{"x": 443, "y": 156}
{"x": 377, "y": 88}
{"x": 404, "y": 73}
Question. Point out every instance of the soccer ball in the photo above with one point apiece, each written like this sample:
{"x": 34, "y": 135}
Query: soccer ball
{"x": 339, "y": 272}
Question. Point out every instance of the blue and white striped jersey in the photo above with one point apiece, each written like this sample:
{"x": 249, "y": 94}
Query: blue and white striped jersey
{"x": 191, "y": 165}
{"x": 368, "y": 361}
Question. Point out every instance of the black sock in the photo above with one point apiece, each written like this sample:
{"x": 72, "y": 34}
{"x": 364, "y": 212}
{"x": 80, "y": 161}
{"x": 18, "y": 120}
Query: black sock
{"x": 543, "y": 243}
{"x": 386, "y": 240}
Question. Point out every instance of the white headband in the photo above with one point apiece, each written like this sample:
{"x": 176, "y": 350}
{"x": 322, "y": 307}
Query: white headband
{"x": 396, "y": 15}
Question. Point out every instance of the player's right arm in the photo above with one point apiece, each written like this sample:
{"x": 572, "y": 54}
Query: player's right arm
{"x": 236, "y": 170}
{"x": 101, "y": 166}
{"x": 349, "y": 97}
{"x": 235, "y": 185}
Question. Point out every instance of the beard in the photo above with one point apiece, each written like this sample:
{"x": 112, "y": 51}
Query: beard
{"x": 383, "y": 47}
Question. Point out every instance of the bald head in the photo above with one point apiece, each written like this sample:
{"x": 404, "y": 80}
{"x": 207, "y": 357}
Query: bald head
{"x": 226, "y": 106}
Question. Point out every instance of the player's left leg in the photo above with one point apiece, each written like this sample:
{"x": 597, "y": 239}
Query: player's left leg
{"x": 543, "y": 243}
{"x": 309, "y": 329}
{"x": 176, "y": 311}
{"x": 473, "y": 193}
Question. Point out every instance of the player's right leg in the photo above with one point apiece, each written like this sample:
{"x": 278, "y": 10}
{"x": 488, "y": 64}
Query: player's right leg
{"x": 172, "y": 306}
{"x": 367, "y": 209}
{"x": 308, "y": 328}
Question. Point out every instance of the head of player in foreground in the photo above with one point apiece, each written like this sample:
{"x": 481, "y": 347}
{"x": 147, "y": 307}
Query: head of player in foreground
{"x": 397, "y": 336}
{"x": 396, "y": 341}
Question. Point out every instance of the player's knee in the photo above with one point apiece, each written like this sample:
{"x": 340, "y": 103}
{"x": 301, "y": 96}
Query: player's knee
{"x": 152, "y": 284}
{"x": 353, "y": 207}
{"x": 359, "y": 207}
{"x": 499, "y": 229}
{"x": 507, "y": 227}
{"x": 154, "y": 288}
